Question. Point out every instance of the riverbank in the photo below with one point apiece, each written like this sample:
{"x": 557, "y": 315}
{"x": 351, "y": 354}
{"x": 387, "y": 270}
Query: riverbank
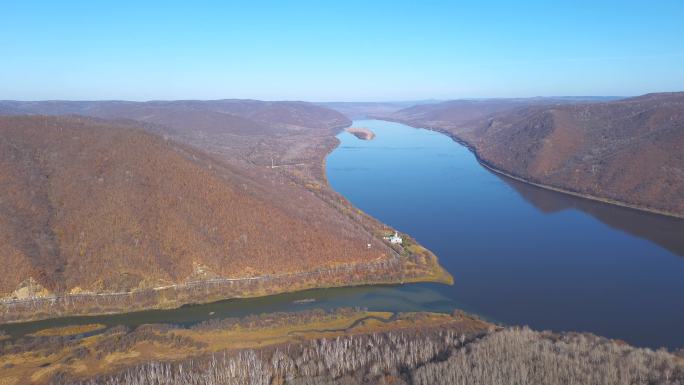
{"x": 86, "y": 355}
{"x": 349, "y": 346}
{"x": 485, "y": 163}
{"x": 400, "y": 269}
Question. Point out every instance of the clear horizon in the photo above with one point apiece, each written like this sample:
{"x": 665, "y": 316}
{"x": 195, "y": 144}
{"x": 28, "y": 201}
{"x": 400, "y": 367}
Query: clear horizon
{"x": 332, "y": 52}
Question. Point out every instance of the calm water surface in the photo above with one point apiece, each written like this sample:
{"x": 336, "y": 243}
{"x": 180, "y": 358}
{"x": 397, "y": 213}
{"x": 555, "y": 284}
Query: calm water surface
{"x": 519, "y": 254}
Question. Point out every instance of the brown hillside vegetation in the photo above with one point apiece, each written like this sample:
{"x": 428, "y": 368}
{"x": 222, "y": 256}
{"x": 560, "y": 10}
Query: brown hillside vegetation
{"x": 92, "y": 206}
{"x": 283, "y": 115}
{"x": 466, "y": 114}
{"x": 297, "y": 135}
{"x": 364, "y": 110}
{"x": 627, "y": 151}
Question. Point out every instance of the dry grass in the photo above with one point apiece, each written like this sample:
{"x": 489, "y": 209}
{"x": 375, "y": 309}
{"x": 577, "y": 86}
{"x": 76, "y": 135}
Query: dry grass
{"x": 68, "y": 330}
{"x": 461, "y": 351}
{"x": 342, "y": 347}
{"x": 117, "y": 349}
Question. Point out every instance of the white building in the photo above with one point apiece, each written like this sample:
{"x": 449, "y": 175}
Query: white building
{"x": 396, "y": 239}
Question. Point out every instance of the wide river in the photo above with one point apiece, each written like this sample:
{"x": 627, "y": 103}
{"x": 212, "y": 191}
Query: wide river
{"x": 519, "y": 254}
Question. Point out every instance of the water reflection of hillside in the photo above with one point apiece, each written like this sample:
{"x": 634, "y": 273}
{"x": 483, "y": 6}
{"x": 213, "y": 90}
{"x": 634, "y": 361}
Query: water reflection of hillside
{"x": 664, "y": 231}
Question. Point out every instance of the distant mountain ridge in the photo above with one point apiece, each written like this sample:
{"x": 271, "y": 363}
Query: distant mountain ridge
{"x": 627, "y": 151}
{"x": 255, "y": 131}
{"x": 261, "y": 113}
{"x": 364, "y": 110}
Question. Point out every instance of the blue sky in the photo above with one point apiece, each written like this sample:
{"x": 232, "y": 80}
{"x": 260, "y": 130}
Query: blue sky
{"x": 343, "y": 50}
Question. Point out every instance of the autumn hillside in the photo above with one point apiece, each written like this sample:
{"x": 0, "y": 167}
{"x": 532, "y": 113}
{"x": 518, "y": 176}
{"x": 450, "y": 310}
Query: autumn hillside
{"x": 94, "y": 206}
{"x": 625, "y": 151}
{"x": 265, "y": 117}
{"x": 292, "y": 134}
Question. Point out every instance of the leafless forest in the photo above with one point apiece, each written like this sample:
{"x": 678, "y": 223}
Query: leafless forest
{"x": 507, "y": 356}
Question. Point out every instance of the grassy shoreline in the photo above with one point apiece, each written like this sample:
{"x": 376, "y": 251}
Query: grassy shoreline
{"x": 435, "y": 273}
{"x": 33, "y": 360}
{"x": 352, "y": 345}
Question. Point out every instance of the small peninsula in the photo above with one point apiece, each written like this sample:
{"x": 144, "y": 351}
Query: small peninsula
{"x": 361, "y": 133}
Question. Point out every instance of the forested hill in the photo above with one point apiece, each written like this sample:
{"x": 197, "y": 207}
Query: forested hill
{"x": 93, "y": 207}
{"x": 625, "y": 151}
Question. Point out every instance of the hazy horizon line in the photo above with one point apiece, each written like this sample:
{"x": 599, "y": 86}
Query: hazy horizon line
{"x": 314, "y": 101}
